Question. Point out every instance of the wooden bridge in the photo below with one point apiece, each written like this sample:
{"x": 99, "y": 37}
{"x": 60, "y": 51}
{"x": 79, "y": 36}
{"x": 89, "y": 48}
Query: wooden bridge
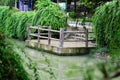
{"x": 68, "y": 42}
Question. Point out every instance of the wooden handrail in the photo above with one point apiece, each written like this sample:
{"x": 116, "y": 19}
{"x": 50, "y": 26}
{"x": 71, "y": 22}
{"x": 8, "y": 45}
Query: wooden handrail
{"x": 62, "y": 33}
{"x": 29, "y": 32}
{"x": 86, "y": 37}
{"x": 74, "y": 32}
{"x": 61, "y": 37}
{"x": 44, "y": 29}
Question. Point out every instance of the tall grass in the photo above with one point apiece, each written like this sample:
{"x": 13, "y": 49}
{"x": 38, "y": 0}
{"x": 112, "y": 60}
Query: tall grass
{"x": 106, "y": 25}
{"x": 49, "y": 14}
{"x": 14, "y": 22}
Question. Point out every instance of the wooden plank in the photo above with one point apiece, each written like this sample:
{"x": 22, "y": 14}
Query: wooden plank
{"x": 43, "y": 33}
{"x": 49, "y": 35}
{"x": 74, "y": 32}
{"x": 43, "y": 37}
{"x": 55, "y": 31}
{"x": 38, "y": 26}
{"x": 38, "y": 35}
{"x": 73, "y": 40}
{"x": 61, "y": 37}
{"x": 32, "y": 34}
{"x": 50, "y": 30}
{"x": 43, "y": 28}
{"x": 31, "y": 27}
{"x": 29, "y": 32}
{"x": 86, "y": 37}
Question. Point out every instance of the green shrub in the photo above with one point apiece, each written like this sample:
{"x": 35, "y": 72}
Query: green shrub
{"x": 106, "y": 25}
{"x": 14, "y": 22}
{"x": 12, "y": 66}
{"x": 11, "y": 25}
{"x": 5, "y": 12}
{"x": 24, "y": 20}
{"x": 49, "y": 14}
{"x": 14, "y": 63}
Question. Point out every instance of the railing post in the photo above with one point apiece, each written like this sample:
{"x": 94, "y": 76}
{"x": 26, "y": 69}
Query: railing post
{"x": 49, "y": 35}
{"x": 76, "y": 23}
{"x": 86, "y": 37}
{"x": 38, "y": 35}
{"x": 61, "y": 37}
{"x": 29, "y": 32}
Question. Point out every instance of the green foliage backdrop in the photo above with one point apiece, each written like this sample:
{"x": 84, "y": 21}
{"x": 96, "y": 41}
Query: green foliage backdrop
{"x": 107, "y": 26}
{"x": 14, "y": 22}
{"x": 49, "y": 14}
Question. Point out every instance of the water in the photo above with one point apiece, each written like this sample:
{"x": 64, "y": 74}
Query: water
{"x": 53, "y": 67}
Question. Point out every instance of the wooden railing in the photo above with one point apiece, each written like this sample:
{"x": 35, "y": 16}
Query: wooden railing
{"x": 61, "y": 33}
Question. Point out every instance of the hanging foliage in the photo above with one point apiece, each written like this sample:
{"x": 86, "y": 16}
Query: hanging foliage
{"x": 49, "y": 14}
{"x": 24, "y": 20}
{"x": 4, "y": 13}
{"x": 14, "y": 22}
{"x": 106, "y": 25}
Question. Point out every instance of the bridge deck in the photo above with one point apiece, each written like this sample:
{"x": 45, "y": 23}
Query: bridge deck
{"x": 68, "y": 47}
{"x": 55, "y": 43}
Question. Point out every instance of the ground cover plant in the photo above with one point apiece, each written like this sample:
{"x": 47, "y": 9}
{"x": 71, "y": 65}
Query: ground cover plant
{"x": 12, "y": 66}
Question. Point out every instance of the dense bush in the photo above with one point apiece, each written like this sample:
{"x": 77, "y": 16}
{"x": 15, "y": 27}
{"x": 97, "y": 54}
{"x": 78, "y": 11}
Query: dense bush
{"x": 106, "y": 25}
{"x": 4, "y": 13}
{"x": 14, "y": 22}
{"x": 49, "y": 14}
{"x": 24, "y": 20}
{"x": 12, "y": 65}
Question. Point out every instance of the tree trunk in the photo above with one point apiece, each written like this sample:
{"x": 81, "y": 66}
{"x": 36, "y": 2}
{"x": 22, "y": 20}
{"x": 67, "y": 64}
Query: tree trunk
{"x": 75, "y": 8}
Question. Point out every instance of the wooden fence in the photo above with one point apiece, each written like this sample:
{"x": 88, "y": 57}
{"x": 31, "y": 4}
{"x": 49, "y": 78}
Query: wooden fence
{"x": 61, "y": 33}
